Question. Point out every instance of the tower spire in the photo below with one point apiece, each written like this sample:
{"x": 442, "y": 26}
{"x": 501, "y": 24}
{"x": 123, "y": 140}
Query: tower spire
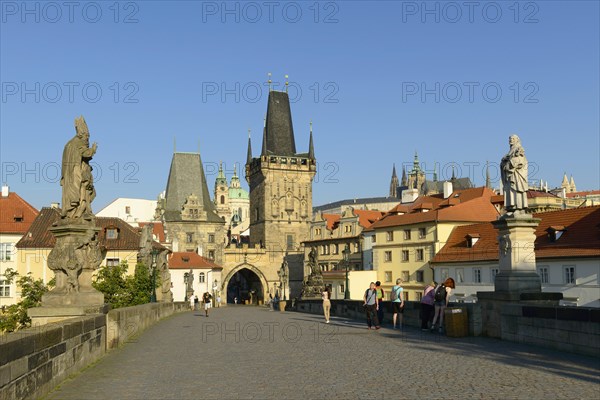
{"x": 286, "y": 83}
{"x": 311, "y": 148}
{"x": 264, "y": 143}
{"x": 249, "y": 157}
{"x": 488, "y": 182}
{"x": 404, "y": 181}
{"x": 394, "y": 183}
{"x": 435, "y": 174}
{"x": 269, "y": 81}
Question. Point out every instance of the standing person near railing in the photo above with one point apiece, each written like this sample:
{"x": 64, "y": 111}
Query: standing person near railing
{"x": 441, "y": 297}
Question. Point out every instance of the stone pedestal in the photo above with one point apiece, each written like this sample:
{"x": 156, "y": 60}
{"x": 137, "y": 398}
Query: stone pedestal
{"x": 313, "y": 287}
{"x": 73, "y": 259}
{"x": 516, "y": 238}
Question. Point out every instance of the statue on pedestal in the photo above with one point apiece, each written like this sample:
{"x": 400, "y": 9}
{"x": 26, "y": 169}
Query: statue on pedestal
{"x": 513, "y": 171}
{"x": 313, "y": 287}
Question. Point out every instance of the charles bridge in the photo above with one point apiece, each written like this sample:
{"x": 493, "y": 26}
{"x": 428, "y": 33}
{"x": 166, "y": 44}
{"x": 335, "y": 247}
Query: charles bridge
{"x": 166, "y": 351}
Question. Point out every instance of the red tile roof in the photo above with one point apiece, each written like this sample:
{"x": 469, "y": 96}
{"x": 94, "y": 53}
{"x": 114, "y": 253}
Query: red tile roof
{"x": 38, "y": 235}
{"x": 367, "y": 217}
{"x": 537, "y": 193}
{"x": 158, "y": 230}
{"x": 469, "y": 205}
{"x": 16, "y": 215}
{"x": 333, "y": 220}
{"x": 190, "y": 260}
{"x": 583, "y": 194}
{"x": 581, "y": 238}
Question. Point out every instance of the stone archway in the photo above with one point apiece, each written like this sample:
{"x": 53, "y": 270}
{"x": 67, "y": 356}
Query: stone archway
{"x": 245, "y": 282}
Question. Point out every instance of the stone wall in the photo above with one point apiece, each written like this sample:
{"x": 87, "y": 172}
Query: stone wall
{"x": 124, "y": 324}
{"x": 33, "y": 361}
{"x": 572, "y": 329}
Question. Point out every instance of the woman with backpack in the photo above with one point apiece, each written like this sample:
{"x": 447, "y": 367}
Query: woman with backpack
{"x": 441, "y": 296}
{"x": 427, "y": 308}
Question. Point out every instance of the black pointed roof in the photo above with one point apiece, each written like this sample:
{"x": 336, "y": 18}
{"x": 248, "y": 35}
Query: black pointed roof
{"x": 186, "y": 177}
{"x": 279, "y": 131}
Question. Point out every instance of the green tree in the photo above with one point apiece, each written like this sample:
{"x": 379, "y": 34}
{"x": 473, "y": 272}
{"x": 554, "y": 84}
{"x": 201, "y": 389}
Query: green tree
{"x": 15, "y": 316}
{"x": 112, "y": 282}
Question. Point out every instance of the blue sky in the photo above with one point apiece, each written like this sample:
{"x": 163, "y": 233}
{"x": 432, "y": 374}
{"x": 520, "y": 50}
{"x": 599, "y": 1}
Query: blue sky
{"x": 379, "y": 80}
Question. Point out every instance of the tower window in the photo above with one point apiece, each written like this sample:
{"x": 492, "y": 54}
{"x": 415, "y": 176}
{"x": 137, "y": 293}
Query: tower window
{"x": 222, "y": 199}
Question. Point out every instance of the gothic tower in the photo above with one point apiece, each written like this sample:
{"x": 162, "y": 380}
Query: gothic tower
{"x": 394, "y": 183}
{"x": 280, "y": 182}
{"x": 221, "y": 194}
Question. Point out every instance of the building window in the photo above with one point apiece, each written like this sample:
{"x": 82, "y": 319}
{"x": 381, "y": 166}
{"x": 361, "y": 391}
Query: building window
{"x": 406, "y": 276}
{"x": 388, "y": 276}
{"x": 494, "y": 273}
{"x": 356, "y": 248}
{"x": 420, "y": 276}
{"x": 189, "y": 237}
{"x": 127, "y": 210}
{"x": 569, "y": 274}
{"x": 407, "y": 234}
{"x": 290, "y": 242}
{"x": 543, "y": 273}
{"x": 112, "y": 262}
{"x": 405, "y": 255}
{"x": 460, "y": 275}
{"x": 444, "y": 272}
{"x": 374, "y": 240}
{"x": 422, "y": 233}
{"x": 336, "y": 249}
{"x": 405, "y": 293}
{"x": 201, "y": 278}
{"x": 4, "y": 288}
{"x": 389, "y": 236}
{"x": 112, "y": 233}
{"x": 477, "y": 275}
{"x": 211, "y": 254}
{"x": 419, "y": 255}
{"x": 211, "y": 238}
{"x": 387, "y": 256}
{"x": 6, "y": 250}
{"x": 419, "y": 296}
{"x": 317, "y": 231}
{"x": 341, "y": 288}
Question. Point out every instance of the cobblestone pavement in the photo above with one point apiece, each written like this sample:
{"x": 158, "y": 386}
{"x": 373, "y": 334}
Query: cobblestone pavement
{"x": 250, "y": 352}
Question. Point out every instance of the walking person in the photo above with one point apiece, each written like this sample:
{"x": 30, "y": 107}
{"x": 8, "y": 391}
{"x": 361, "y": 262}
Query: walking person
{"x": 192, "y": 302}
{"x": 206, "y": 299}
{"x": 326, "y": 296}
{"x": 380, "y": 299}
{"x": 440, "y": 301}
{"x": 371, "y": 305}
{"x": 427, "y": 308}
{"x": 196, "y": 301}
{"x": 397, "y": 296}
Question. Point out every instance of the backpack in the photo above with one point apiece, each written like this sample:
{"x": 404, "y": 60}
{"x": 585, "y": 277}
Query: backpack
{"x": 394, "y": 295}
{"x": 440, "y": 294}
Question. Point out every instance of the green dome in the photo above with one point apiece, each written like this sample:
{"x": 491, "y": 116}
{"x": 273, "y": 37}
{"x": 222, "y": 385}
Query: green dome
{"x": 238, "y": 193}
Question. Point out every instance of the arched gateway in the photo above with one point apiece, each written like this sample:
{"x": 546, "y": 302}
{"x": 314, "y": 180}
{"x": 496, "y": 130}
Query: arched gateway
{"x": 245, "y": 282}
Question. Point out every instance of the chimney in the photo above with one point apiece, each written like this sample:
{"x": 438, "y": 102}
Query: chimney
{"x": 447, "y": 189}
{"x": 409, "y": 195}
{"x": 55, "y": 205}
{"x": 5, "y": 190}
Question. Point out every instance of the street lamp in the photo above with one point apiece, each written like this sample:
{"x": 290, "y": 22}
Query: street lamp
{"x": 214, "y": 297}
{"x": 154, "y": 256}
{"x": 186, "y": 277}
{"x": 346, "y": 254}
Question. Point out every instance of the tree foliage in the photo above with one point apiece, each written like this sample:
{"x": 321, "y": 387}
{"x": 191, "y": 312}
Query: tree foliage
{"x": 122, "y": 290}
{"x": 15, "y": 316}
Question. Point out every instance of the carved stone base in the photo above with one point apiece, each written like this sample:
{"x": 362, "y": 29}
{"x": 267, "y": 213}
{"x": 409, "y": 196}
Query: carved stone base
{"x": 517, "y": 268}
{"x": 313, "y": 287}
{"x": 81, "y": 299}
{"x": 47, "y": 315}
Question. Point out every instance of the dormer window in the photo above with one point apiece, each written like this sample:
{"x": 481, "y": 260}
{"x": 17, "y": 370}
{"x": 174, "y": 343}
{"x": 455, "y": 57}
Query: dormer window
{"x": 112, "y": 233}
{"x": 185, "y": 259}
{"x": 555, "y": 232}
{"x": 18, "y": 217}
{"x": 472, "y": 238}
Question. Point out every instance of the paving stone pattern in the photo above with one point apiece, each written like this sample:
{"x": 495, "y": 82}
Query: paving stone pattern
{"x": 253, "y": 353}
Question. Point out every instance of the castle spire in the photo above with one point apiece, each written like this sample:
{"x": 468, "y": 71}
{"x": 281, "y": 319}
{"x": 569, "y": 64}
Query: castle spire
{"x": 404, "y": 181}
{"x": 249, "y": 157}
{"x": 416, "y": 166}
{"x": 572, "y": 186}
{"x": 311, "y": 147}
{"x": 394, "y": 183}
{"x": 488, "y": 182}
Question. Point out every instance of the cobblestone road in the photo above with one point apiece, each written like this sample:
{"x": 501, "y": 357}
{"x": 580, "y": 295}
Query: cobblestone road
{"x": 249, "y": 352}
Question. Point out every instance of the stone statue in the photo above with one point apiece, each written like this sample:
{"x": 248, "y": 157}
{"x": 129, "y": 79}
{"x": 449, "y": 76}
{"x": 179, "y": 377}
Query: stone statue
{"x": 145, "y": 252}
{"x": 312, "y": 262}
{"x": 513, "y": 170}
{"x": 77, "y": 182}
{"x": 165, "y": 276}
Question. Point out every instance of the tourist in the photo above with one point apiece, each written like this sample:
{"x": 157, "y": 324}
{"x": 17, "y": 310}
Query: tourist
{"x": 380, "y": 298}
{"x": 192, "y": 302}
{"x": 196, "y": 301}
{"x": 371, "y": 305}
{"x": 206, "y": 299}
{"x": 219, "y": 301}
{"x": 326, "y": 296}
{"x": 397, "y": 303}
{"x": 441, "y": 296}
{"x": 427, "y": 308}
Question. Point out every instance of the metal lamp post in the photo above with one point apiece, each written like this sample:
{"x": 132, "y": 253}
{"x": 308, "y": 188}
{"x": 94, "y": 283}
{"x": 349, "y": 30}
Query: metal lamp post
{"x": 346, "y": 254}
{"x": 186, "y": 277}
{"x": 153, "y": 295}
